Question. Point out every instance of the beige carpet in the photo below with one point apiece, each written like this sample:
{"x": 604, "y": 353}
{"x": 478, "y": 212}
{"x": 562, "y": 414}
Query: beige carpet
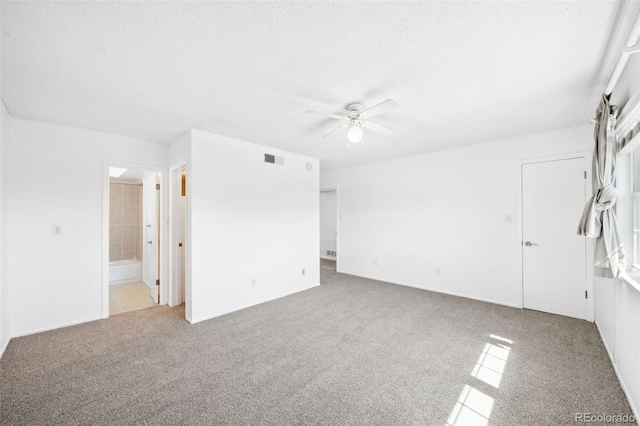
{"x": 129, "y": 297}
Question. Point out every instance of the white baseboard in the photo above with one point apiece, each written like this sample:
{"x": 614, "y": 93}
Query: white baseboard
{"x": 54, "y": 327}
{"x": 604, "y": 342}
{"x": 634, "y": 409}
{"x": 239, "y": 308}
{"x": 466, "y": 296}
{"x": 4, "y": 348}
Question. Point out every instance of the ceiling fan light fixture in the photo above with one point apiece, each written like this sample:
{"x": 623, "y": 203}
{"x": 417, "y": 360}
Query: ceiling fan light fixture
{"x": 356, "y": 120}
{"x": 355, "y": 133}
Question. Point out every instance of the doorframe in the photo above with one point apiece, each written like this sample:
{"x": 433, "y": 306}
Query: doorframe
{"x": 162, "y": 225}
{"x": 587, "y": 157}
{"x": 330, "y": 188}
{"x": 174, "y": 253}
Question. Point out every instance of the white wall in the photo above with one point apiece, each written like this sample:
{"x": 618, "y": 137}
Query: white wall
{"x": 444, "y": 210}
{"x": 617, "y": 303}
{"x": 180, "y": 150}
{"x": 328, "y": 222}
{"x": 57, "y": 179}
{"x": 249, "y": 220}
{"x": 627, "y": 340}
{"x": 5, "y": 317}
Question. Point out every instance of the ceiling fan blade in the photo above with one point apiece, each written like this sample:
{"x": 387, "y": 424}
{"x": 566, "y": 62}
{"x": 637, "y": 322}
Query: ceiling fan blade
{"x": 380, "y": 108}
{"x": 324, "y": 114}
{"x": 379, "y": 128}
{"x": 335, "y": 130}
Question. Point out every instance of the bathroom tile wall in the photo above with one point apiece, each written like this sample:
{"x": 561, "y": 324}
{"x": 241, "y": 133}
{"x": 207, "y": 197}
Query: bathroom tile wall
{"x": 125, "y": 221}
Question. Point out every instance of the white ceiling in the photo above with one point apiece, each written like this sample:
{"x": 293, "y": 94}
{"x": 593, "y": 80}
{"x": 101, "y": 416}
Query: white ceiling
{"x": 462, "y": 72}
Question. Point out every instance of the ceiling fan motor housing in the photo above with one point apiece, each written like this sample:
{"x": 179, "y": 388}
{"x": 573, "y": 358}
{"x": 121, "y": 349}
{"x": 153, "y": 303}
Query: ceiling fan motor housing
{"x": 354, "y": 110}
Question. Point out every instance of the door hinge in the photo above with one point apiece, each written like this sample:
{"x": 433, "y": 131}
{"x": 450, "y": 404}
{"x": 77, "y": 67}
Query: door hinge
{"x": 585, "y": 174}
{"x": 157, "y": 186}
{"x": 157, "y": 282}
{"x": 586, "y": 294}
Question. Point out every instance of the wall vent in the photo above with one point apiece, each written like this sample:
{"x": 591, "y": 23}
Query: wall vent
{"x": 331, "y": 253}
{"x": 273, "y": 159}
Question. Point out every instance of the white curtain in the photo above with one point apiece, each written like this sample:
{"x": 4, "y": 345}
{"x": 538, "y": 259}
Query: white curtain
{"x": 599, "y": 218}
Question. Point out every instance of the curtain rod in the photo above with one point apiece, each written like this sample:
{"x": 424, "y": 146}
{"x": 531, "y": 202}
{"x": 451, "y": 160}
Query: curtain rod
{"x": 630, "y": 47}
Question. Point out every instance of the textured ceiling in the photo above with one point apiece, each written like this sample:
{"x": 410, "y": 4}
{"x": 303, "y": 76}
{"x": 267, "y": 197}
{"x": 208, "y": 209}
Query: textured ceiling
{"x": 462, "y": 72}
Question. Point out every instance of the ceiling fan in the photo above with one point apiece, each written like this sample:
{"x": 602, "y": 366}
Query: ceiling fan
{"x": 358, "y": 119}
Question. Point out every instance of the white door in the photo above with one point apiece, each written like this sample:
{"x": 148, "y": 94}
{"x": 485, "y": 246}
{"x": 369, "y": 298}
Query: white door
{"x": 150, "y": 243}
{"x": 553, "y": 255}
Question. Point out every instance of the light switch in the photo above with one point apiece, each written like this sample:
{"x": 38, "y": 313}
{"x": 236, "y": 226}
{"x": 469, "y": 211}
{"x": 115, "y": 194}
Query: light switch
{"x": 57, "y": 230}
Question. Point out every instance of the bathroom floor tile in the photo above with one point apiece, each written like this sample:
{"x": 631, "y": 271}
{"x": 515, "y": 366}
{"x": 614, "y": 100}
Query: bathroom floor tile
{"x": 129, "y": 297}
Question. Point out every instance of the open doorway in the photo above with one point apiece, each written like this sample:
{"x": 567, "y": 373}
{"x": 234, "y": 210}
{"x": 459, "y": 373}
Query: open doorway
{"x": 180, "y": 233}
{"x": 180, "y": 241}
{"x": 328, "y": 228}
{"x": 134, "y": 243}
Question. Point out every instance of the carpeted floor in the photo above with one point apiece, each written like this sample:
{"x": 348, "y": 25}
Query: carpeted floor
{"x": 352, "y": 351}
{"x": 328, "y": 264}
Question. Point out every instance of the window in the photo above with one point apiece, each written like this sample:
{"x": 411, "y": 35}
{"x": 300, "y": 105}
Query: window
{"x": 635, "y": 221}
{"x": 628, "y": 180}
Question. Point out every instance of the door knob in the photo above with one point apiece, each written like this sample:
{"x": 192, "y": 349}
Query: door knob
{"x": 529, "y": 244}
{"x": 151, "y": 242}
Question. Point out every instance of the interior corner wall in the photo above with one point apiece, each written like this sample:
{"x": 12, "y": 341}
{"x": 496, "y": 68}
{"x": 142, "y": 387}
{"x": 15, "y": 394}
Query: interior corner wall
{"x": 251, "y": 221}
{"x": 5, "y": 318}
{"x": 57, "y": 179}
{"x": 444, "y": 210}
{"x": 180, "y": 150}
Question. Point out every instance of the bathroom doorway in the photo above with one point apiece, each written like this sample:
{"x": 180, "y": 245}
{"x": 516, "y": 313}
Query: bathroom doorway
{"x": 134, "y": 238}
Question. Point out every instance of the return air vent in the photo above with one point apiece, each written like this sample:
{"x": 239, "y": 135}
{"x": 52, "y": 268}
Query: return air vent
{"x": 273, "y": 159}
{"x": 331, "y": 253}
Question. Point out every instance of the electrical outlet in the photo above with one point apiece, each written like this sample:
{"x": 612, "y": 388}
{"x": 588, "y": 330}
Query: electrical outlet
{"x": 252, "y": 283}
{"x": 57, "y": 230}
{"x": 375, "y": 262}
{"x": 303, "y": 271}
{"x": 438, "y": 272}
